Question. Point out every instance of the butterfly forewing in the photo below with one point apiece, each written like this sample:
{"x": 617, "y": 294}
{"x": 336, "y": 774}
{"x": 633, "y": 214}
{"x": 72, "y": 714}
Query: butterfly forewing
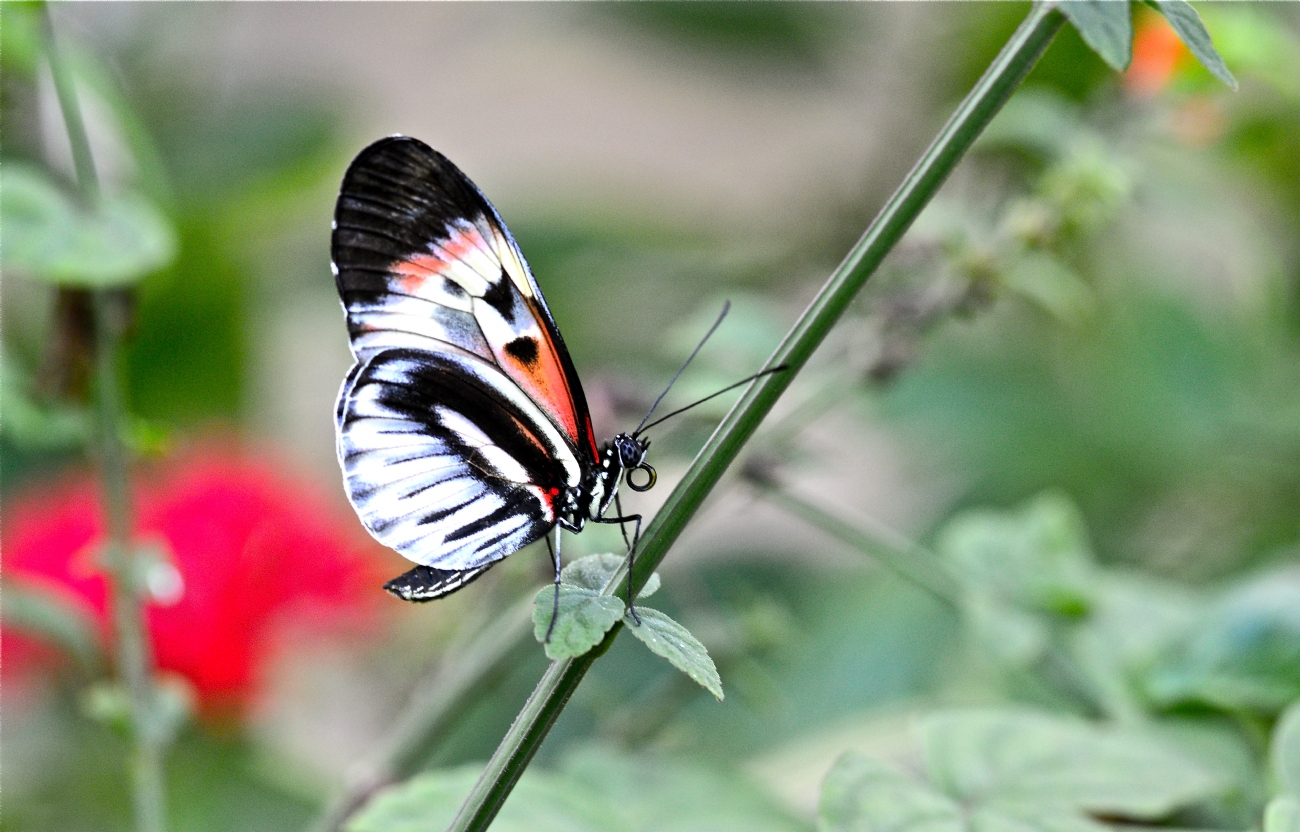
{"x": 462, "y": 424}
{"x": 421, "y": 253}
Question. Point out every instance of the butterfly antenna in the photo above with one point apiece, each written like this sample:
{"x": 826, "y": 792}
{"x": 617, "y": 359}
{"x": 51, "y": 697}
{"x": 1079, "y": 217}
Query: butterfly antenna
{"x": 728, "y": 388}
{"x": 726, "y": 307}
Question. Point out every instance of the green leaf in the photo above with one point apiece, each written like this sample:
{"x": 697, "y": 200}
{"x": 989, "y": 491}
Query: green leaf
{"x": 30, "y": 425}
{"x": 594, "y": 571}
{"x": 54, "y": 619}
{"x": 1244, "y": 655}
{"x": 1187, "y": 23}
{"x": 653, "y": 791}
{"x": 1284, "y": 751}
{"x": 591, "y": 572}
{"x": 1036, "y": 119}
{"x": 20, "y": 37}
{"x": 1106, "y": 26}
{"x": 1282, "y": 815}
{"x": 860, "y": 793}
{"x": 594, "y": 789}
{"x": 51, "y": 239}
{"x": 585, "y": 617}
{"x": 1036, "y": 557}
{"x": 1020, "y": 758}
{"x": 1054, "y": 286}
{"x": 1018, "y": 816}
{"x": 542, "y": 802}
{"x": 675, "y": 643}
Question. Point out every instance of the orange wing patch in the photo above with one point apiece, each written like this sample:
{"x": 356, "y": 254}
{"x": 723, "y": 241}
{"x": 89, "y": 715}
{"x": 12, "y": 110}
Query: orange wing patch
{"x": 531, "y": 361}
{"x": 481, "y": 274}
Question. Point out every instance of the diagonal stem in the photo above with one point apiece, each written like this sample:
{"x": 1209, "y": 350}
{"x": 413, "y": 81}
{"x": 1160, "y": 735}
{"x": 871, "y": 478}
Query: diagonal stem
{"x": 562, "y": 677}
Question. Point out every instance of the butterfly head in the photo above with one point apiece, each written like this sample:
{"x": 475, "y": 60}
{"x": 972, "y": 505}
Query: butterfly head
{"x": 631, "y": 451}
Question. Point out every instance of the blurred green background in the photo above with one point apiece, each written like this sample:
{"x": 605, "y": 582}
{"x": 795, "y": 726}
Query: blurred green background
{"x": 1102, "y": 307}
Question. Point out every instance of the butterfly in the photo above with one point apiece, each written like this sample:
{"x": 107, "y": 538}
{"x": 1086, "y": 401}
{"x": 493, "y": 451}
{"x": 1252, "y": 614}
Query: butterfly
{"x": 462, "y": 428}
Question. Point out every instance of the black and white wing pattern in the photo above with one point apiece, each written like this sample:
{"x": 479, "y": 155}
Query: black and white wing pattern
{"x": 462, "y": 424}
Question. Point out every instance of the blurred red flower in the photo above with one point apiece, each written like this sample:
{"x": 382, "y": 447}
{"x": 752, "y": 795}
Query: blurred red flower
{"x": 256, "y": 549}
{"x": 1157, "y": 54}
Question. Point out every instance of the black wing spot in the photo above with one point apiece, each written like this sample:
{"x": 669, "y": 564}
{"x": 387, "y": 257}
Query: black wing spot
{"x": 500, "y": 297}
{"x": 453, "y": 288}
{"x": 523, "y": 349}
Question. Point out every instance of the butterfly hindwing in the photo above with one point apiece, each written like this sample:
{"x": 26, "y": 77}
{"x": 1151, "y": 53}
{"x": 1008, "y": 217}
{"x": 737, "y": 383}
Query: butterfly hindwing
{"x": 445, "y": 460}
{"x": 424, "y": 583}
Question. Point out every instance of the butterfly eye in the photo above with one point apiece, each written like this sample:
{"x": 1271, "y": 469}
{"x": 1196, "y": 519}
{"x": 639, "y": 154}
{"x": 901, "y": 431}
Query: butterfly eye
{"x": 651, "y": 478}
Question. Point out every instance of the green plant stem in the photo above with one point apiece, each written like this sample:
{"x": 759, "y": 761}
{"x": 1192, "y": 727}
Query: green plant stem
{"x": 927, "y": 570}
{"x": 972, "y": 116}
{"x": 462, "y": 676}
{"x": 911, "y": 561}
{"x": 134, "y": 656}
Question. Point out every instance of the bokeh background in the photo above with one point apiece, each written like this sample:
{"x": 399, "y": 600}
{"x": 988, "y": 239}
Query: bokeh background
{"x": 1094, "y": 330}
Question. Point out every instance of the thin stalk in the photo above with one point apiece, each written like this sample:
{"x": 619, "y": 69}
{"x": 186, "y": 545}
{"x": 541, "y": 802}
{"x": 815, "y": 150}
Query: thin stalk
{"x": 910, "y": 561}
{"x": 562, "y": 677}
{"x": 927, "y": 570}
{"x": 462, "y": 676}
{"x": 134, "y": 652}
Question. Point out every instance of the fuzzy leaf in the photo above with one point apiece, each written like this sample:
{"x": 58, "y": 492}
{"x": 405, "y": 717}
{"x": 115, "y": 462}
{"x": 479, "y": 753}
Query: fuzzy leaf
{"x": 1187, "y": 23}
{"x": 675, "y": 643}
{"x": 591, "y": 572}
{"x": 51, "y": 239}
{"x": 1244, "y": 652}
{"x": 1036, "y": 556}
{"x": 1019, "y": 758}
{"x": 860, "y": 793}
{"x": 594, "y": 571}
{"x": 542, "y": 802}
{"x": 1282, "y": 815}
{"x": 585, "y": 617}
{"x": 1284, "y": 751}
{"x": 1106, "y": 26}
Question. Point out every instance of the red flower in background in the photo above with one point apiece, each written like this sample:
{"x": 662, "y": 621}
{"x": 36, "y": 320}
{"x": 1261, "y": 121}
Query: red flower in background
{"x": 1157, "y": 54}
{"x": 256, "y": 549}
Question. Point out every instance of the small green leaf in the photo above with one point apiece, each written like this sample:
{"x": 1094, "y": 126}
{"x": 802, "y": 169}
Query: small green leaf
{"x": 1106, "y": 26}
{"x": 50, "y": 239}
{"x": 1284, "y": 751}
{"x": 1019, "y": 816}
{"x": 651, "y": 586}
{"x": 591, "y": 572}
{"x": 594, "y": 571}
{"x": 860, "y": 793}
{"x": 1021, "y": 757}
{"x": 675, "y": 643}
{"x": 34, "y": 426}
{"x": 108, "y": 703}
{"x": 1037, "y": 556}
{"x": 1187, "y": 23}
{"x": 585, "y": 617}
{"x": 1050, "y": 283}
{"x": 1282, "y": 815}
{"x": 1245, "y": 653}
{"x": 541, "y": 802}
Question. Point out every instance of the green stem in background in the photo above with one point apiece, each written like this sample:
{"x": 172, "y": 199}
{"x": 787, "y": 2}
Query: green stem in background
{"x": 460, "y": 679}
{"x": 907, "y": 559}
{"x": 134, "y": 654}
{"x": 561, "y": 679}
{"x": 944, "y": 580}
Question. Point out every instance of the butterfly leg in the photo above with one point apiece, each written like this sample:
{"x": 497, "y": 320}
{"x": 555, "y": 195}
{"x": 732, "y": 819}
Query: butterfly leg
{"x": 555, "y": 605}
{"x": 631, "y": 555}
